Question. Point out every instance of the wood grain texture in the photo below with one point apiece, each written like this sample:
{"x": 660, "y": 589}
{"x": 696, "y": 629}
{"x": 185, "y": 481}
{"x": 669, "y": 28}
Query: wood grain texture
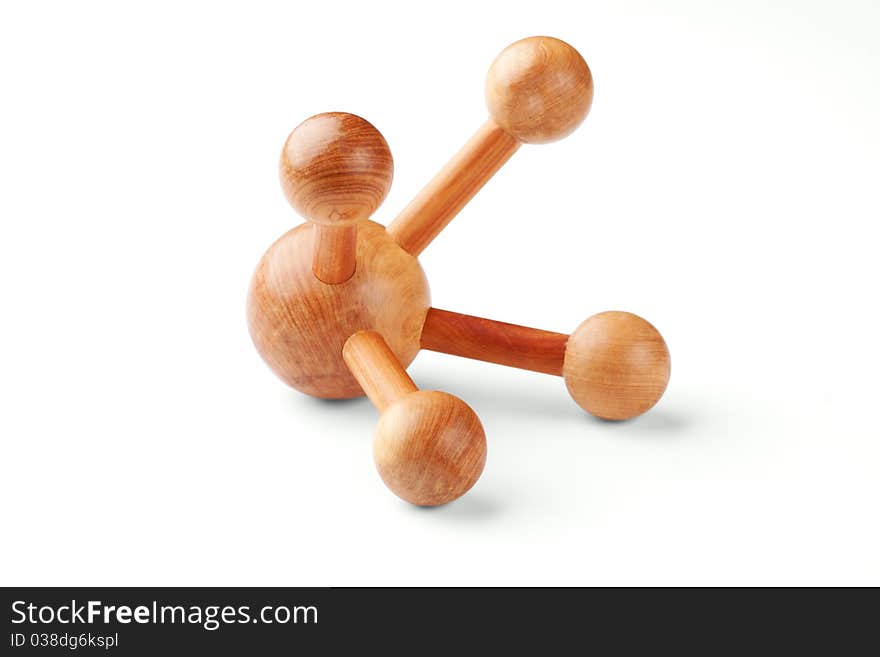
{"x": 376, "y": 369}
{"x": 334, "y": 255}
{"x": 449, "y": 191}
{"x": 539, "y": 89}
{"x": 430, "y": 448}
{"x": 336, "y": 168}
{"x": 299, "y": 324}
{"x": 494, "y": 342}
{"x": 616, "y": 365}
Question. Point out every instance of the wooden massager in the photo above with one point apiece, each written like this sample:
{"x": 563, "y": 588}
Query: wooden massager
{"x": 339, "y": 306}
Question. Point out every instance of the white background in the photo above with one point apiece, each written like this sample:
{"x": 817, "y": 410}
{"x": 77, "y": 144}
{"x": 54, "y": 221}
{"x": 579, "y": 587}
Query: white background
{"x": 724, "y": 186}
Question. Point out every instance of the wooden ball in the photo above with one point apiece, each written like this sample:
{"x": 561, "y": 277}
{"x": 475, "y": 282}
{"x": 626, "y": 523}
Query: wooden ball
{"x": 336, "y": 168}
{"x": 616, "y": 365}
{"x": 299, "y": 324}
{"x": 539, "y": 89}
{"x": 430, "y": 448}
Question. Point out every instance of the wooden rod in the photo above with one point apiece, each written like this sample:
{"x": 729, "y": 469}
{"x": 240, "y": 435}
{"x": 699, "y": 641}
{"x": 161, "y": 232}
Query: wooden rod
{"x": 376, "y": 368}
{"x": 334, "y": 257}
{"x": 494, "y": 342}
{"x": 457, "y": 183}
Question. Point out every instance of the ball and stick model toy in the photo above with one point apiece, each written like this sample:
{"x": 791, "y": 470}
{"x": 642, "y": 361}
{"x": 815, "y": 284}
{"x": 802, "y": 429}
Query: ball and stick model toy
{"x": 339, "y": 306}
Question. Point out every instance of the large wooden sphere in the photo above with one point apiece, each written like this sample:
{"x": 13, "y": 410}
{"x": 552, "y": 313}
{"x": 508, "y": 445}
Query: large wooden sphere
{"x": 299, "y": 324}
